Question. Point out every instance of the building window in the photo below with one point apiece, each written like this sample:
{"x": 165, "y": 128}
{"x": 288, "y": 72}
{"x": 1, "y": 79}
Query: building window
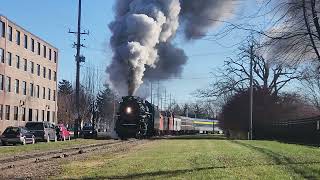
{"x": 3, "y": 29}
{"x": 55, "y": 56}
{"x": 24, "y": 88}
{"x": 53, "y": 116}
{"x": 55, "y": 76}
{"x": 17, "y": 62}
{"x": 44, "y": 51}
{"x": 16, "y": 86}
{"x": 31, "y": 89}
{"x": 50, "y": 54}
{"x": 10, "y": 33}
{"x": 25, "y": 41}
{"x": 2, "y": 55}
{"x": 39, "y": 48}
{"x": 1, "y": 81}
{"x": 37, "y": 114}
{"x": 18, "y": 37}
{"x": 32, "y": 67}
{"x": 44, "y": 72}
{"x": 7, "y": 112}
{"x": 30, "y": 115}
{"x": 48, "y": 116}
{"x": 43, "y": 93}
{"x": 15, "y": 113}
{"x": 1, "y": 111}
{"x": 38, "y": 91}
{"x": 8, "y": 84}
{"x": 38, "y": 69}
{"x": 32, "y": 44}
{"x": 49, "y": 93}
{"x": 23, "y": 114}
{"x": 9, "y": 58}
{"x": 49, "y": 75}
{"x": 54, "y": 95}
{"x": 25, "y": 65}
{"x": 43, "y": 115}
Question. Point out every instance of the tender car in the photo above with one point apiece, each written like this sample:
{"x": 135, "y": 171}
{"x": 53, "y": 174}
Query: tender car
{"x": 88, "y": 132}
{"x": 17, "y": 135}
{"x": 43, "y": 131}
{"x": 62, "y": 132}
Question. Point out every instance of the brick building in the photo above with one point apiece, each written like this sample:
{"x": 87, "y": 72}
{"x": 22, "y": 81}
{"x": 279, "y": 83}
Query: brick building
{"x": 28, "y": 77}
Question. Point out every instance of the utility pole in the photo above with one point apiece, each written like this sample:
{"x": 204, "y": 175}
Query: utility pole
{"x": 170, "y": 102}
{"x": 165, "y": 99}
{"x": 251, "y": 93}
{"x": 187, "y": 111}
{"x": 79, "y": 59}
{"x": 113, "y": 114}
{"x": 158, "y": 93}
{"x": 151, "y": 93}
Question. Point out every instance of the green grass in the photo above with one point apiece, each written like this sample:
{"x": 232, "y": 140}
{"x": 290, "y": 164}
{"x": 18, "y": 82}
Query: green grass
{"x": 19, "y": 149}
{"x": 201, "y": 159}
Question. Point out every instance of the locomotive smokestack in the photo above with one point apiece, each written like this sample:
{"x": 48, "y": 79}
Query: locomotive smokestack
{"x": 142, "y": 33}
{"x": 130, "y": 83}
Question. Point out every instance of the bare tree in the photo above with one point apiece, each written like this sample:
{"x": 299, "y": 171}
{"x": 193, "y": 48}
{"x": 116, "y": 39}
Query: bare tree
{"x": 311, "y": 87}
{"x": 296, "y": 35}
{"x": 268, "y": 75}
{"x": 91, "y": 85}
{"x": 292, "y": 30}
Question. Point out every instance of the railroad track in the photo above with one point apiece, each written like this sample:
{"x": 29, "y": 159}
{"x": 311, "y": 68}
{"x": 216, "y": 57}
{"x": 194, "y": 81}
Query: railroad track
{"x": 25, "y": 159}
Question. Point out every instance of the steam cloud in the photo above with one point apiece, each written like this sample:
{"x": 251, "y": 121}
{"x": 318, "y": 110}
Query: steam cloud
{"x": 142, "y": 33}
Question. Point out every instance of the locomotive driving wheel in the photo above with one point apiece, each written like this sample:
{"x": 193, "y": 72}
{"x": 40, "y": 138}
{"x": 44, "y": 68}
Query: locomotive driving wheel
{"x": 141, "y": 130}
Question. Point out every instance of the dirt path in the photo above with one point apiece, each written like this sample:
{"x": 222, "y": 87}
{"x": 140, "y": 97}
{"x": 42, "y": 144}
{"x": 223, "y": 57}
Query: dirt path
{"x": 51, "y": 166}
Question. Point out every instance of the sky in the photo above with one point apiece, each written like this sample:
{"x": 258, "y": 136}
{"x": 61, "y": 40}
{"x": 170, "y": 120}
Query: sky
{"x": 51, "y": 21}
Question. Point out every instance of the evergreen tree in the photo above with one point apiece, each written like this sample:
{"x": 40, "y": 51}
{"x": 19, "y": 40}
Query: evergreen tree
{"x": 105, "y": 102}
{"x": 65, "y": 102}
{"x": 65, "y": 87}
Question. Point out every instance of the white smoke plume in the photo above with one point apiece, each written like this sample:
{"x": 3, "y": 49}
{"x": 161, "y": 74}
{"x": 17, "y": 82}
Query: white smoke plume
{"x": 142, "y": 33}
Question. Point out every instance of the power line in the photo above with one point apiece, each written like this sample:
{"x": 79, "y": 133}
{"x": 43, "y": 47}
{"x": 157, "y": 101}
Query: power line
{"x": 170, "y": 78}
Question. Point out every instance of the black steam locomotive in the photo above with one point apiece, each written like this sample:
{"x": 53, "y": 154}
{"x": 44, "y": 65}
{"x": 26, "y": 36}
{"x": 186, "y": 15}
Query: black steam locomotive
{"x": 135, "y": 118}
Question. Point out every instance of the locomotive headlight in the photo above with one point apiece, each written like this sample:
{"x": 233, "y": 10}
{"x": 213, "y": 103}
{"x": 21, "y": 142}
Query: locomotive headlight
{"x": 129, "y": 110}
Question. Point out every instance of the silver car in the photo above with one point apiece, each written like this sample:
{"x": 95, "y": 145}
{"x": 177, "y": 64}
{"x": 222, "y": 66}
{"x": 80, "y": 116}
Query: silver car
{"x": 43, "y": 131}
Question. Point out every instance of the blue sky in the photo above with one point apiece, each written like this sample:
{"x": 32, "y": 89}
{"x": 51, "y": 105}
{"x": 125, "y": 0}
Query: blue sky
{"x": 51, "y": 21}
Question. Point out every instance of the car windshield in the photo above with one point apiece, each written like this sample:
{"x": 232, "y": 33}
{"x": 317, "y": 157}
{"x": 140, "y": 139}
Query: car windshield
{"x": 12, "y": 130}
{"x": 34, "y": 126}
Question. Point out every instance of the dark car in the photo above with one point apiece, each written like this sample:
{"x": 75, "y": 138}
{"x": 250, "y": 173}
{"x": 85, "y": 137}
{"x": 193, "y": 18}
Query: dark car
{"x": 43, "y": 131}
{"x": 17, "y": 135}
{"x": 88, "y": 132}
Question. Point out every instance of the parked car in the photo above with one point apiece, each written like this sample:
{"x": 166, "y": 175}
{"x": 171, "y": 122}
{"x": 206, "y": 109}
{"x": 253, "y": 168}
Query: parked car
{"x": 62, "y": 132}
{"x": 43, "y": 131}
{"x": 88, "y": 132}
{"x": 17, "y": 135}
